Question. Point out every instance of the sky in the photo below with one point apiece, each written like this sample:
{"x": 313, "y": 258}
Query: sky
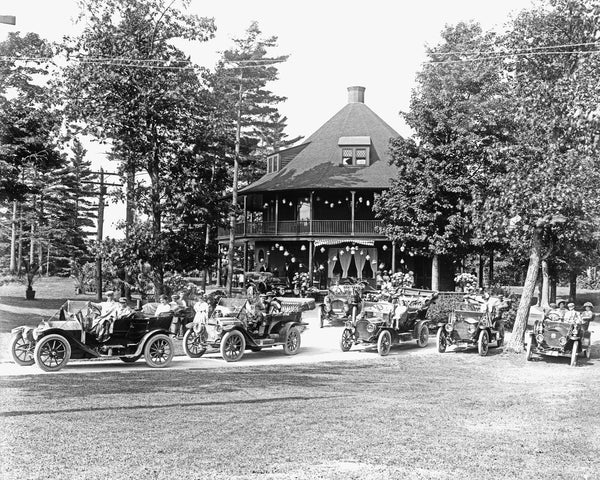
{"x": 379, "y": 44}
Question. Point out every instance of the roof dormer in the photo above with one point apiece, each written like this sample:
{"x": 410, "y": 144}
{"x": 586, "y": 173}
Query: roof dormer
{"x": 355, "y": 151}
{"x": 273, "y": 163}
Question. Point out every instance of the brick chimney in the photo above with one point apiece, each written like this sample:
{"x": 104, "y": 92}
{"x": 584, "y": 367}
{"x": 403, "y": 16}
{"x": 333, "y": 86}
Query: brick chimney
{"x": 356, "y": 94}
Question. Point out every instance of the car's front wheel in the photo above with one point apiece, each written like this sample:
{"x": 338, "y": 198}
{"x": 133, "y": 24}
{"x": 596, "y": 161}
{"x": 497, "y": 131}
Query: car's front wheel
{"x": 574, "y": 353}
{"x": 529, "y": 351}
{"x": 159, "y": 351}
{"x": 292, "y": 341}
{"x": 423, "y": 336}
{"x": 346, "y": 341}
{"x": 22, "y": 351}
{"x": 192, "y": 344}
{"x": 483, "y": 343}
{"x": 233, "y": 345}
{"x": 52, "y": 353}
{"x": 442, "y": 342}
{"x": 384, "y": 343}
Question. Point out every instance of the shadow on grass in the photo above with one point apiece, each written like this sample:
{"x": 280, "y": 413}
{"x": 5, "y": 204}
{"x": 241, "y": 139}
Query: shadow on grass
{"x": 254, "y": 401}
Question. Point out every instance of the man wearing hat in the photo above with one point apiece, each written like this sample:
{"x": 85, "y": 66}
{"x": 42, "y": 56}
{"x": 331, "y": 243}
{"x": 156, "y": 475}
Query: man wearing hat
{"x": 123, "y": 310}
{"x": 588, "y": 314}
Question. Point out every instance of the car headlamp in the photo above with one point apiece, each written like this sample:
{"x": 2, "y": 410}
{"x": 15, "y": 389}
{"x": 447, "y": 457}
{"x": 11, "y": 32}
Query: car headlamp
{"x": 562, "y": 341}
{"x": 370, "y": 328}
{"x": 449, "y": 327}
{"x": 539, "y": 337}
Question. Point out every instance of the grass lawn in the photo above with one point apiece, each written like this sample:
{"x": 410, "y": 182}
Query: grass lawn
{"x": 455, "y": 415}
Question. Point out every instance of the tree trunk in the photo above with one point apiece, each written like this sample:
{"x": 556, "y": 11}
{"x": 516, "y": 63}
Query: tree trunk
{"x": 435, "y": 272}
{"x": 491, "y": 269}
{"x": 20, "y": 242}
{"x": 480, "y": 272}
{"x": 573, "y": 286}
{"x": 13, "y": 240}
{"x": 544, "y": 302}
{"x": 515, "y": 344}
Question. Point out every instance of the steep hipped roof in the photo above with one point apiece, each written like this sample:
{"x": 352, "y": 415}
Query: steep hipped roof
{"x": 317, "y": 165}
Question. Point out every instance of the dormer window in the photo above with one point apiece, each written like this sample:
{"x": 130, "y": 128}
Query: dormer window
{"x": 273, "y": 163}
{"x": 355, "y": 151}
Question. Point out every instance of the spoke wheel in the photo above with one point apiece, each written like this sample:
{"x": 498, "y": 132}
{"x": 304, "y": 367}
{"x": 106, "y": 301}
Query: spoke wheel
{"x": 442, "y": 342}
{"x": 574, "y": 353}
{"x": 346, "y": 341}
{"x": 130, "y": 359}
{"x": 22, "y": 351}
{"x": 192, "y": 344}
{"x": 158, "y": 352}
{"x": 233, "y": 345}
{"x": 292, "y": 341}
{"x": 483, "y": 343}
{"x": 423, "y": 338}
{"x": 52, "y": 353}
{"x": 529, "y": 351}
{"x": 384, "y": 343}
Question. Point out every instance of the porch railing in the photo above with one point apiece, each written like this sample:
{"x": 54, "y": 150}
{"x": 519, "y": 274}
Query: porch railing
{"x": 362, "y": 228}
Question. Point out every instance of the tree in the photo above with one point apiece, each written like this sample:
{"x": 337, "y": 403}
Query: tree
{"x": 240, "y": 82}
{"x": 458, "y": 114}
{"x": 134, "y": 88}
{"x": 543, "y": 193}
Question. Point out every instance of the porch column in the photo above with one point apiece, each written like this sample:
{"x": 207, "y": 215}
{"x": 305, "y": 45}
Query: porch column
{"x": 311, "y": 247}
{"x": 311, "y": 219}
{"x": 245, "y": 262}
{"x": 352, "y": 211}
{"x": 276, "y": 213}
{"x": 393, "y": 257}
{"x": 219, "y": 267}
{"x": 245, "y": 214}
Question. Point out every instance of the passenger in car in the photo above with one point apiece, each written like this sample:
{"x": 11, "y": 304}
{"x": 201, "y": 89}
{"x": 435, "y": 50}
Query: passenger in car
{"x": 123, "y": 310}
{"x": 201, "y": 313}
{"x": 588, "y": 314}
{"x": 561, "y": 309}
{"x": 572, "y": 315}
{"x": 163, "y": 305}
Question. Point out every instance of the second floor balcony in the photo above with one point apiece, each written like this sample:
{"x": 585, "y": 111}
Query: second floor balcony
{"x": 304, "y": 228}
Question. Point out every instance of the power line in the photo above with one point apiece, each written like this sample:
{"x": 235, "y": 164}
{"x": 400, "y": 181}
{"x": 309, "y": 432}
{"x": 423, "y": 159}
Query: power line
{"x": 564, "y": 45}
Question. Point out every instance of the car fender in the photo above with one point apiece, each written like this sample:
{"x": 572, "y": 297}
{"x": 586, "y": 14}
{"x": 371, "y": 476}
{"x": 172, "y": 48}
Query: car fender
{"x": 145, "y": 338}
{"x": 74, "y": 342}
{"x": 418, "y": 327}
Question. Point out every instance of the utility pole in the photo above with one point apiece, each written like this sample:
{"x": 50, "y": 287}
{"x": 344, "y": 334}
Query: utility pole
{"x": 99, "y": 236}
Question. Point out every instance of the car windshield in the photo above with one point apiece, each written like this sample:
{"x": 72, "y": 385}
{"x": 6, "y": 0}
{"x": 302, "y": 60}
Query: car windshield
{"x": 70, "y": 310}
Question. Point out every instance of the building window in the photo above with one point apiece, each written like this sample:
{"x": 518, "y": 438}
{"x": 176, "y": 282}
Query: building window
{"x": 356, "y": 156}
{"x": 273, "y": 163}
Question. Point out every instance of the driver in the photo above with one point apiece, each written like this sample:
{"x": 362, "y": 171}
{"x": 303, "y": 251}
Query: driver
{"x": 101, "y": 324}
{"x": 572, "y": 315}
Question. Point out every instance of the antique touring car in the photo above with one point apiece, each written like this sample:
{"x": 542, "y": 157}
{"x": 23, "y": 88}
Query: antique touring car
{"x": 341, "y": 303}
{"x": 67, "y": 334}
{"x": 236, "y": 325}
{"x": 554, "y": 337}
{"x": 390, "y": 323}
{"x": 467, "y": 327}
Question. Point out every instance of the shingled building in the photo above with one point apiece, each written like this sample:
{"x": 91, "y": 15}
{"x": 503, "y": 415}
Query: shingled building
{"x": 312, "y": 210}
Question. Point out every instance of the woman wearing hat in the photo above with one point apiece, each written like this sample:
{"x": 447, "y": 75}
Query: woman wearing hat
{"x": 572, "y": 315}
{"x": 588, "y": 314}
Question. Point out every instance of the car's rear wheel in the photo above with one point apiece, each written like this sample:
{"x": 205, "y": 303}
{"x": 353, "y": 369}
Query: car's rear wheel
{"x": 574, "y": 353}
{"x": 292, "y": 341}
{"x": 423, "y": 336}
{"x": 529, "y": 351}
{"x": 52, "y": 353}
{"x": 441, "y": 341}
{"x": 346, "y": 341}
{"x": 22, "y": 351}
{"x": 384, "y": 343}
{"x": 483, "y": 343}
{"x": 159, "y": 351}
{"x": 192, "y": 344}
{"x": 233, "y": 345}
{"x": 130, "y": 359}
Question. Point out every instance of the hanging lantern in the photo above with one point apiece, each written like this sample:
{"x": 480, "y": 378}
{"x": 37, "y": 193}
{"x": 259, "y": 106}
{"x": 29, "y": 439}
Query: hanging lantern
{"x": 339, "y": 202}
{"x": 401, "y": 260}
{"x": 347, "y": 248}
{"x": 411, "y": 254}
{"x": 266, "y": 205}
{"x": 276, "y": 245}
{"x": 368, "y": 257}
{"x": 334, "y": 259}
{"x": 303, "y": 247}
{"x": 360, "y": 199}
{"x": 402, "y": 248}
{"x": 368, "y": 202}
{"x": 341, "y": 252}
{"x": 318, "y": 199}
{"x": 362, "y": 253}
{"x": 385, "y": 247}
{"x": 322, "y": 249}
{"x": 293, "y": 259}
{"x": 326, "y": 202}
{"x": 281, "y": 248}
{"x": 331, "y": 204}
{"x": 286, "y": 253}
{"x": 272, "y": 247}
{"x": 283, "y": 201}
{"x": 347, "y": 199}
{"x": 381, "y": 266}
